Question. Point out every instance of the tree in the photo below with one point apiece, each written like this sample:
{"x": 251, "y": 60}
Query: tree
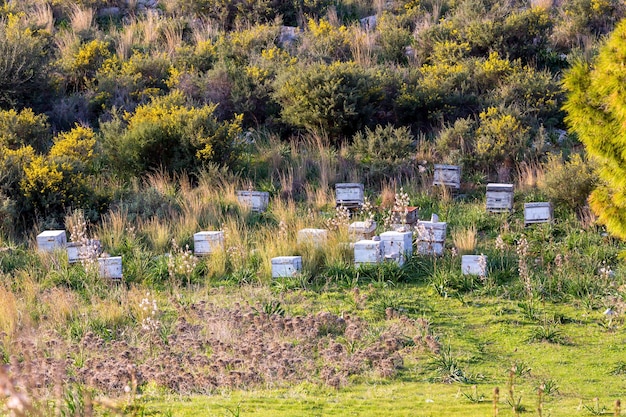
{"x": 596, "y": 111}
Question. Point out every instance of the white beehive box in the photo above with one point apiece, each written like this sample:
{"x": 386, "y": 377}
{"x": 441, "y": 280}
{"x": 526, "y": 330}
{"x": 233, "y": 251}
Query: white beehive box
{"x": 286, "y": 266}
{"x": 397, "y": 246}
{"x": 367, "y": 252}
{"x": 50, "y": 240}
{"x": 537, "y": 213}
{"x": 447, "y": 176}
{"x": 78, "y": 251}
{"x": 256, "y": 200}
{"x": 431, "y": 237}
{"x": 362, "y": 230}
{"x": 474, "y": 265}
{"x": 206, "y": 243}
{"x": 315, "y": 237}
{"x": 499, "y": 197}
{"x": 110, "y": 267}
{"x": 349, "y": 194}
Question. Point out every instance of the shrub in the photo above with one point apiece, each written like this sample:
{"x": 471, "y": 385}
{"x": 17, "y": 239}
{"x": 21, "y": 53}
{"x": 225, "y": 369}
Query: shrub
{"x": 78, "y": 69}
{"x": 169, "y": 134}
{"x": 383, "y": 153}
{"x": 337, "y": 99}
{"x": 24, "y": 128}
{"x": 501, "y": 137}
{"x": 568, "y": 182}
{"x": 22, "y": 54}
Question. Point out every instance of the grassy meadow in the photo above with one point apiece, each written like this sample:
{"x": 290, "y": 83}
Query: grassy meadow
{"x": 216, "y": 335}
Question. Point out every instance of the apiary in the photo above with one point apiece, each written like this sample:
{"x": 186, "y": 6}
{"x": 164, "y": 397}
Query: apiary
{"x": 110, "y": 267}
{"x": 499, "y": 197}
{"x": 362, "y": 230}
{"x": 50, "y": 240}
{"x": 474, "y": 265}
{"x": 349, "y": 194}
{"x": 286, "y": 266}
{"x": 447, "y": 176}
{"x": 315, "y": 237}
{"x": 256, "y": 200}
{"x": 367, "y": 252}
{"x": 208, "y": 242}
{"x": 537, "y": 213}
{"x": 397, "y": 246}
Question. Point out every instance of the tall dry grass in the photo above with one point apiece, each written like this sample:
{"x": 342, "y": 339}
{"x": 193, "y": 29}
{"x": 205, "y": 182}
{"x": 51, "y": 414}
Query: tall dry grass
{"x": 41, "y": 15}
{"x": 81, "y": 19}
{"x": 8, "y": 315}
{"x": 465, "y": 240}
{"x": 529, "y": 176}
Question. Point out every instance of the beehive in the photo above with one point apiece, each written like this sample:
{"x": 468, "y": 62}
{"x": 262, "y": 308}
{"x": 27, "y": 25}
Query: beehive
{"x": 402, "y": 218}
{"x": 362, "y": 230}
{"x": 447, "y": 176}
{"x": 349, "y": 194}
{"x": 397, "y": 246}
{"x": 50, "y": 240}
{"x": 286, "y": 266}
{"x": 315, "y": 237}
{"x": 256, "y": 200}
{"x": 78, "y": 251}
{"x": 431, "y": 236}
{"x": 367, "y": 252}
{"x": 474, "y": 265}
{"x": 537, "y": 213}
{"x": 110, "y": 267}
{"x": 208, "y": 242}
{"x": 499, "y": 197}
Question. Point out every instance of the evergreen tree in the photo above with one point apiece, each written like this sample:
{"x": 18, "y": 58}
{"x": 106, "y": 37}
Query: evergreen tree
{"x": 596, "y": 111}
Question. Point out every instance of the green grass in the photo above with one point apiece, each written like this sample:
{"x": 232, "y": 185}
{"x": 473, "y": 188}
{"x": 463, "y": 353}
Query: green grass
{"x": 486, "y": 336}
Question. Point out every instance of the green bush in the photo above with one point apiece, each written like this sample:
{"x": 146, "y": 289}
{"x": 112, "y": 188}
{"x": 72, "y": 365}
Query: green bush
{"x": 568, "y": 183}
{"x": 24, "y": 128}
{"x": 338, "y": 99}
{"x": 168, "y": 133}
{"x": 383, "y": 153}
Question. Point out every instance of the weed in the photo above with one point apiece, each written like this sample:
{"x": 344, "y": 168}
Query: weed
{"x": 447, "y": 366}
{"x": 595, "y": 409}
{"x": 473, "y": 396}
{"x": 549, "y": 387}
{"x": 548, "y": 332}
{"x": 529, "y": 309}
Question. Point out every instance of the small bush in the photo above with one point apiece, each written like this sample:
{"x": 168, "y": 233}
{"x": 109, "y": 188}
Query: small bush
{"x": 383, "y": 153}
{"x": 568, "y": 183}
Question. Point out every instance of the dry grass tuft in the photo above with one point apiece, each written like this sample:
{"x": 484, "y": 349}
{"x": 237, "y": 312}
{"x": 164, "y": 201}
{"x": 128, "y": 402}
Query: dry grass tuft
{"x": 465, "y": 240}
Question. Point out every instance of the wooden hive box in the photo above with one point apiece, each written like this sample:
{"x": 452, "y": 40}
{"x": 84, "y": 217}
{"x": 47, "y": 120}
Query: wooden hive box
{"x": 431, "y": 237}
{"x": 315, "y": 237}
{"x": 208, "y": 242}
{"x": 349, "y": 194}
{"x": 361, "y": 230}
{"x": 499, "y": 197}
{"x": 367, "y": 252}
{"x": 79, "y": 251}
{"x": 447, "y": 176}
{"x": 110, "y": 267}
{"x": 50, "y": 240}
{"x": 537, "y": 213}
{"x": 286, "y": 266}
{"x": 411, "y": 217}
{"x": 397, "y": 246}
{"x": 474, "y": 265}
{"x": 256, "y": 200}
